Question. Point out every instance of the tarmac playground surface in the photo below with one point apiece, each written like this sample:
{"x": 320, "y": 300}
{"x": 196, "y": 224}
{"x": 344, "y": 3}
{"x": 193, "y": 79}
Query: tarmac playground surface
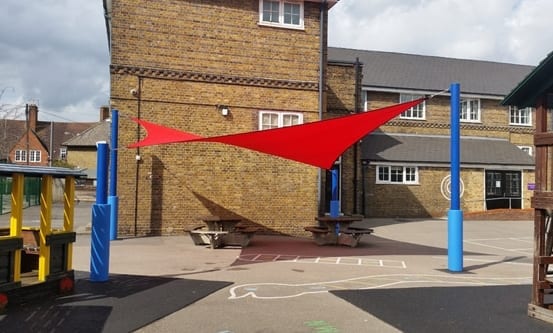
{"x": 396, "y": 280}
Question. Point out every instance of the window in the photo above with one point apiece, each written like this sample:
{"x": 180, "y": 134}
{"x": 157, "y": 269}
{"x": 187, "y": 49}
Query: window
{"x": 63, "y": 153}
{"x": 21, "y": 156}
{"x": 470, "y": 110}
{"x": 271, "y": 119}
{"x": 387, "y": 174}
{"x": 526, "y": 149}
{"x": 281, "y": 13}
{"x": 417, "y": 111}
{"x": 34, "y": 156}
{"x": 519, "y": 116}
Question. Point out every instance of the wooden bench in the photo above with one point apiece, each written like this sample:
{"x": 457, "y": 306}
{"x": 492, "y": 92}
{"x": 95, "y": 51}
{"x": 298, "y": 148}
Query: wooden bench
{"x": 322, "y": 236}
{"x": 212, "y": 237}
{"x": 355, "y": 235}
{"x": 350, "y": 236}
{"x": 241, "y": 236}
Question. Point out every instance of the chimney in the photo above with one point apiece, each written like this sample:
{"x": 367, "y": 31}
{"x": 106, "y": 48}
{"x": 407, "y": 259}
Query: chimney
{"x": 32, "y": 117}
{"x": 104, "y": 113}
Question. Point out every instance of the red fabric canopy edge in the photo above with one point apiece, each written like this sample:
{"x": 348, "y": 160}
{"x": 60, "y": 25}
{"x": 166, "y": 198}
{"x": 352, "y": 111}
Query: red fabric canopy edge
{"x": 317, "y": 143}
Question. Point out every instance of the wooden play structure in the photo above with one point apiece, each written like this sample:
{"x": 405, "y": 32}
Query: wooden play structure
{"x": 536, "y": 91}
{"x": 35, "y": 261}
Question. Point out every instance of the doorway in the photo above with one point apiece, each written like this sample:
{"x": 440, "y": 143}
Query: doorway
{"x": 503, "y": 189}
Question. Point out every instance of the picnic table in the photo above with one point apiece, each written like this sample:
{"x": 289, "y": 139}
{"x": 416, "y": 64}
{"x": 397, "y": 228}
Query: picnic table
{"x": 221, "y": 231}
{"x": 337, "y": 231}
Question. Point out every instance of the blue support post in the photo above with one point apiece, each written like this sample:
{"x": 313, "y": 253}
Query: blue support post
{"x": 99, "y": 247}
{"x": 113, "y": 199}
{"x": 334, "y": 201}
{"x": 455, "y": 214}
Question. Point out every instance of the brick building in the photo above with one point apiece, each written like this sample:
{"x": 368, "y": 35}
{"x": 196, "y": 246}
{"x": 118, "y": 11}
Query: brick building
{"x": 211, "y": 68}
{"x": 36, "y": 143}
{"x": 217, "y": 67}
{"x": 405, "y": 164}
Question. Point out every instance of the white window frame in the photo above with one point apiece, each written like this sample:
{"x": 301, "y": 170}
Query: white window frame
{"x": 35, "y": 156}
{"x": 467, "y": 114}
{"x": 281, "y": 14}
{"x": 21, "y": 155}
{"x": 63, "y": 153}
{"x": 527, "y": 149}
{"x": 516, "y": 113}
{"x": 419, "y": 110}
{"x": 280, "y": 119}
{"x": 387, "y": 171}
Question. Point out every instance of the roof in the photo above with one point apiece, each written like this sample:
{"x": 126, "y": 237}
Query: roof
{"x": 410, "y": 148}
{"x": 57, "y": 172}
{"x": 58, "y": 132}
{"x": 536, "y": 84}
{"x": 433, "y": 74}
{"x": 99, "y": 132}
{"x": 329, "y": 3}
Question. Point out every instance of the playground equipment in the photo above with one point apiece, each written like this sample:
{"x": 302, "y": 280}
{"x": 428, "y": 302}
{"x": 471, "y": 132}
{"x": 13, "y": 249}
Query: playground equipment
{"x": 35, "y": 261}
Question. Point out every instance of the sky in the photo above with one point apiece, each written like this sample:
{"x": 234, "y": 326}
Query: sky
{"x": 54, "y": 53}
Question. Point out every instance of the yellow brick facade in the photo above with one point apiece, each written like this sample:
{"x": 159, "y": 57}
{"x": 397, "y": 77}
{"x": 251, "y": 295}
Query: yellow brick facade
{"x": 426, "y": 199}
{"x": 184, "y": 59}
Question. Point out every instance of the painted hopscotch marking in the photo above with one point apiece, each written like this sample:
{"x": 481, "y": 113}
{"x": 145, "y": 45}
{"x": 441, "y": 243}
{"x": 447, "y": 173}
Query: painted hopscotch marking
{"x": 353, "y": 261}
{"x": 286, "y": 290}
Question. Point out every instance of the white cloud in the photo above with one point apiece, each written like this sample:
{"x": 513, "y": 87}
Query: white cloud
{"x": 55, "y": 53}
{"x": 516, "y": 31}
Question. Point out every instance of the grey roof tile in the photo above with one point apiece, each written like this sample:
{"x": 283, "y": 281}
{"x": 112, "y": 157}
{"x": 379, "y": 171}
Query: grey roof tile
{"x": 99, "y": 132}
{"x": 433, "y": 74}
{"x": 408, "y": 148}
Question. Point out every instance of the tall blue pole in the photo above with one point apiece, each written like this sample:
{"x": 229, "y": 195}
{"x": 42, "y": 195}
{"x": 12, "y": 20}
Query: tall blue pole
{"x": 113, "y": 199}
{"x": 99, "y": 246}
{"x": 455, "y": 214}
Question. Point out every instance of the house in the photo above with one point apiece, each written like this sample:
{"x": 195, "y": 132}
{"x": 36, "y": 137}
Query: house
{"x": 212, "y": 68}
{"x": 405, "y": 164}
{"x": 535, "y": 91}
{"x": 81, "y": 150}
{"x": 35, "y": 142}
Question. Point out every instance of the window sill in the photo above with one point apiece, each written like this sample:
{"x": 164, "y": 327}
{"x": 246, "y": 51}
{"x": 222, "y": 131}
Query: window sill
{"x": 521, "y": 125}
{"x": 282, "y": 26}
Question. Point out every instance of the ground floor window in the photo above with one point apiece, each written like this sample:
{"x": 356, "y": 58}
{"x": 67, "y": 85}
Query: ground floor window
{"x": 503, "y": 189}
{"x": 397, "y": 174}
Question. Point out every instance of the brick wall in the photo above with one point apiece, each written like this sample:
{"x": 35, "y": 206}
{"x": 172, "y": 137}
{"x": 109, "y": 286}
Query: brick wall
{"x": 426, "y": 199}
{"x": 184, "y": 58}
{"x": 343, "y": 98}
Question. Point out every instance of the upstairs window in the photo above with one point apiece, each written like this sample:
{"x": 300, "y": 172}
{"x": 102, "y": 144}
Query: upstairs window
{"x": 526, "y": 149}
{"x": 470, "y": 110}
{"x": 21, "y": 156}
{"x": 281, "y": 13}
{"x": 417, "y": 112}
{"x": 63, "y": 153}
{"x": 519, "y": 116}
{"x": 271, "y": 119}
{"x": 34, "y": 156}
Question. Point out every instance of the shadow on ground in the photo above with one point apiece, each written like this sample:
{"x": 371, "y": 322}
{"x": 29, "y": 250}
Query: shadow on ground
{"x": 450, "y": 309}
{"x": 124, "y": 303}
{"x": 273, "y": 248}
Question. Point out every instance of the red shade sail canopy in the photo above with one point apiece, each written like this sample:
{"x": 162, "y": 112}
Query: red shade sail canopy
{"x": 317, "y": 143}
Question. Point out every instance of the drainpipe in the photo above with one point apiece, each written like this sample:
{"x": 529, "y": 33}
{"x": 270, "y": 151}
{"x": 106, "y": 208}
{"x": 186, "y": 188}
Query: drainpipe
{"x": 322, "y": 60}
{"x": 356, "y": 146}
{"x": 138, "y": 158}
{"x": 107, "y": 18}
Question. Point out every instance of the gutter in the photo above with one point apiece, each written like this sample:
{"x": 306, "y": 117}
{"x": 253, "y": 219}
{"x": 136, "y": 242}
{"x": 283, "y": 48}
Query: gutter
{"x": 107, "y": 17}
